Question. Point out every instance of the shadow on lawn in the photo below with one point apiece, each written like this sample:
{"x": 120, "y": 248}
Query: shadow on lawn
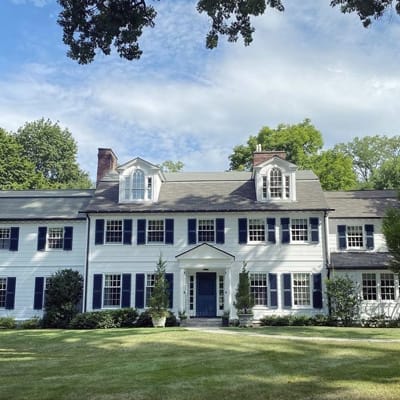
{"x": 177, "y": 364}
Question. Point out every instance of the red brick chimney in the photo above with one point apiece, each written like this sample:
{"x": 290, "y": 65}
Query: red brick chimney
{"x": 106, "y": 161}
{"x": 260, "y": 156}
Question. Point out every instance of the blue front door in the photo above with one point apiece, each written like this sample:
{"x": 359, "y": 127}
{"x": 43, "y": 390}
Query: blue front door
{"x": 206, "y": 294}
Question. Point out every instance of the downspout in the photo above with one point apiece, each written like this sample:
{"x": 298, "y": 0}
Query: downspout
{"x": 87, "y": 263}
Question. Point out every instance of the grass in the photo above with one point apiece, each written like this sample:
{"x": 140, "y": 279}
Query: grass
{"x": 174, "y": 363}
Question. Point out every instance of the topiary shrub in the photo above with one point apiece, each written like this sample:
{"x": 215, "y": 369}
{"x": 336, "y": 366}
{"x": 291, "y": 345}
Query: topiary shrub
{"x": 7, "y": 323}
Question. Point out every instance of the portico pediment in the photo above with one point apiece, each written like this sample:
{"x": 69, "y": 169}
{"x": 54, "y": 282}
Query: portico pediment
{"x": 205, "y": 251}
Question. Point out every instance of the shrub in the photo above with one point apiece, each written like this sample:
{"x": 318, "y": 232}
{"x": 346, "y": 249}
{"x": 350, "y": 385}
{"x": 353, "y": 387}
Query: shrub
{"x": 124, "y": 317}
{"x": 93, "y": 320}
{"x": 171, "y": 320}
{"x": 7, "y": 323}
{"x": 300, "y": 320}
{"x": 32, "y": 323}
{"x": 144, "y": 320}
{"x": 274, "y": 320}
{"x": 63, "y": 297}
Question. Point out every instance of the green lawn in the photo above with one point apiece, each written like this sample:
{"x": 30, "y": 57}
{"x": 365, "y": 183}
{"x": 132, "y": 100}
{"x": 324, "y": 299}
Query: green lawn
{"x": 174, "y": 363}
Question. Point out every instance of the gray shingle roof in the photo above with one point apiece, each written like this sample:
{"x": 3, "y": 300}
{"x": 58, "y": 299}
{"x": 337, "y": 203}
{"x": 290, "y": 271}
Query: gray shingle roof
{"x": 359, "y": 260}
{"x": 207, "y": 191}
{"x": 361, "y": 203}
{"x": 43, "y": 204}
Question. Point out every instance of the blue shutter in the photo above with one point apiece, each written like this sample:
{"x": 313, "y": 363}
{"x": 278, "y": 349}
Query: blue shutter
{"x": 341, "y": 229}
{"x": 141, "y": 231}
{"x": 127, "y": 231}
{"x": 38, "y": 294}
{"x": 285, "y": 230}
{"x": 314, "y": 225}
{"x": 192, "y": 231}
{"x": 10, "y": 294}
{"x": 126, "y": 290}
{"x": 273, "y": 290}
{"x": 169, "y": 231}
{"x": 41, "y": 244}
{"x": 97, "y": 291}
{"x": 139, "y": 295}
{"x": 271, "y": 230}
{"x": 170, "y": 280}
{"x": 99, "y": 234}
{"x": 242, "y": 230}
{"x": 369, "y": 233}
{"x": 68, "y": 235}
{"x": 14, "y": 236}
{"x": 220, "y": 236}
{"x": 317, "y": 291}
{"x": 287, "y": 291}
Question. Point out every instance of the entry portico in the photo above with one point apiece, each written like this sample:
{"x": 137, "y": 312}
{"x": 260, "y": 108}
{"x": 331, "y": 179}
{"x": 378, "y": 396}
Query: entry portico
{"x": 205, "y": 273}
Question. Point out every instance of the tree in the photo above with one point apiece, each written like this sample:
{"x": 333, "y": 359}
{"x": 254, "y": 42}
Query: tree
{"x": 95, "y": 25}
{"x": 388, "y": 175}
{"x": 343, "y": 299}
{"x": 244, "y": 300}
{"x": 159, "y": 298}
{"x": 16, "y": 171}
{"x": 301, "y": 142}
{"x": 334, "y": 170}
{"x": 391, "y": 231}
{"x": 172, "y": 166}
{"x": 63, "y": 296}
{"x": 53, "y": 151}
{"x": 369, "y": 154}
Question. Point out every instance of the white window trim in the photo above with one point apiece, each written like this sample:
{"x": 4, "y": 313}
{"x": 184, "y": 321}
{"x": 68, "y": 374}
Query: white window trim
{"x": 111, "y": 307}
{"x": 105, "y": 242}
{"x": 126, "y": 194}
{"x": 147, "y": 232}
{"x": 293, "y": 241}
{"x": 265, "y": 231}
{"x": 62, "y": 229}
{"x": 8, "y": 229}
{"x": 378, "y": 287}
{"x": 310, "y": 289}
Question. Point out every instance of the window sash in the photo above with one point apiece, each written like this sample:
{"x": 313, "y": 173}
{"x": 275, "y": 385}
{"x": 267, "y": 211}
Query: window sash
{"x": 259, "y": 288}
{"x": 112, "y": 291}
{"x": 275, "y": 190}
{"x": 387, "y": 286}
{"x": 55, "y": 238}
{"x": 155, "y": 231}
{"x": 150, "y": 282}
{"x": 138, "y": 189}
{"x": 369, "y": 286}
{"x": 3, "y": 292}
{"x": 301, "y": 289}
{"x": 256, "y": 230}
{"x": 206, "y": 230}
{"x": 355, "y": 238}
{"x": 5, "y": 238}
{"x": 299, "y": 230}
{"x": 114, "y": 231}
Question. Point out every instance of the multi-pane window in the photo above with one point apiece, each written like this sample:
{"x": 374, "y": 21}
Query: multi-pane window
{"x": 5, "y": 236}
{"x": 299, "y": 229}
{"x": 155, "y": 231}
{"x": 287, "y": 186}
{"x": 55, "y": 238}
{"x": 138, "y": 185}
{"x": 275, "y": 183}
{"x": 221, "y": 292}
{"x": 264, "y": 187}
{"x": 256, "y": 230}
{"x": 112, "y": 290}
{"x": 149, "y": 187}
{"x": 369, "y": 287}
{"x": 150, "y": 281}
{"x": 355, "y": 236}
{"x": 206, "y": 230}
{"x": 191, "y": 292}
{"x": 114, "y": 230}
{"x": 258, "y": 288}
{"x": 3, "y": 292}
{"x": 378, "y": 287}
{"x": 301, "y": 289}
{"x": 387, "y": 286}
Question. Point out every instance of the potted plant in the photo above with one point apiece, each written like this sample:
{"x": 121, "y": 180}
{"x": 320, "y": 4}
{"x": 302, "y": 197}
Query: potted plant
{"x": 244, "y": 300}
{"x": 159, "y": 296}
{"x": 182, "y": 318}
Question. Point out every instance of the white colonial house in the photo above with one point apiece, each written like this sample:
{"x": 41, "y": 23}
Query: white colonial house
{"x": 206, "y": 226}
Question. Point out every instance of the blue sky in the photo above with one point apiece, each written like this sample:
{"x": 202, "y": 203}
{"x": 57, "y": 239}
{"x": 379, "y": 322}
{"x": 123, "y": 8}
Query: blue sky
{"x": 183, "y": 102}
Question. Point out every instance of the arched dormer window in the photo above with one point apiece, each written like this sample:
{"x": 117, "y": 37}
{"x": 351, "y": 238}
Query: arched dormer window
{"x": 275, "y": 185}
{"x": 138, "y": 186}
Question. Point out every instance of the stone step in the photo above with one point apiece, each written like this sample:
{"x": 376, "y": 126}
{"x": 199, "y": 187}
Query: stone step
{"x": 202, "y": 322}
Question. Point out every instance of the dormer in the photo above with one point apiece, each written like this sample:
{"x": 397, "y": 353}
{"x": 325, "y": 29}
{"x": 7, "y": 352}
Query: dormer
{"x": 139, "y": 181}
{"x": 274, "y": 177}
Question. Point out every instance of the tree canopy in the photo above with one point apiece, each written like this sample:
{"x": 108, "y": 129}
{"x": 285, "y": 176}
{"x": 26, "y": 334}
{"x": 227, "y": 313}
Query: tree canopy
{"x": 16, "y": 170}
{"x": 90, "y": 26}
{"x": 53, "y": 151}
{"x": 391, "y": 231}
